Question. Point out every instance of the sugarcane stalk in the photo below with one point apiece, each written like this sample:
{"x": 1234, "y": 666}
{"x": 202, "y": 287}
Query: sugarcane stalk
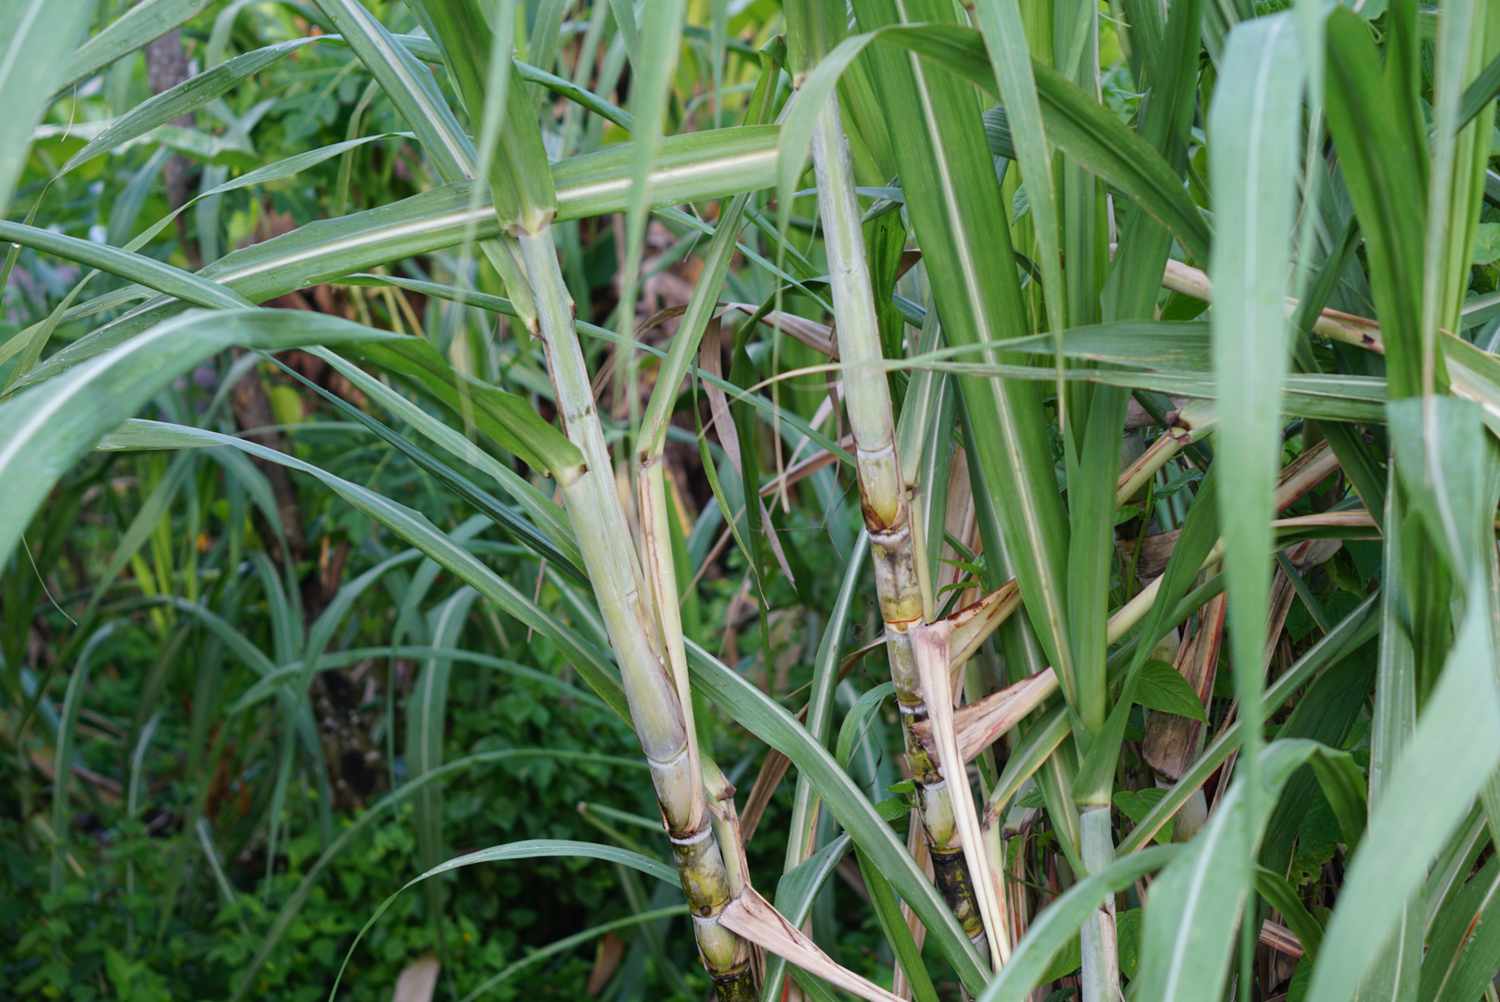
{"x": 520, "y": 182}
{"x": 884, "y": 503}
{"x": 1099, "y": 946}
{"x": 656, "y": 708}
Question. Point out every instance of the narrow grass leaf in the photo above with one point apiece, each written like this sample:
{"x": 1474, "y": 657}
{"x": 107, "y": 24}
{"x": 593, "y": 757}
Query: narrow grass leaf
{"x": 182, "y": 99}
{"x": 35, "y": 37}
{"x": 1058, "y": 923}
{"x": 1196, "y": 901}
{"x": 141, "y": 23}
{"x": 1253, "y": 167}
{"x": 51, "y": 425}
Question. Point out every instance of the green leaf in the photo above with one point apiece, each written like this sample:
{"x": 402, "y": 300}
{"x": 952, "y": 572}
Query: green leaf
{"x": 694, "y": 166}
{"x": 1347, "y": 637}
{"x": 1163, "y": 688}
{"x": 1137, "y": 804}
{"x": 411, "y": 526}
{"x": 140, "y": 24}
{"x": 1487, "y": 244}
{"x": 153, "y": 274}
{"x": 1010, "y": 61}
{"x": 1253, "y": 124}
{"x": 516, "y": 967}
{"x": 1079, "y": 126}
{"x": 1282, "y": 896}
{"x": 507, "y": 419}
{"x": 62, "y": 759}
{"x": 49, "y": 426}
{"x": 174, "y": 102}
{"x": 551, "y": 537}
{"x": 953, "y": 199}
{"x": 35, "y": 36}
{"x": 426, "y": 713}
{"x": 1196, "y": 901}
{"x": 655, "y": 63}
{"x": 1465, "y": 951}
{"x": 1058, "y": 923}
{"x": 1383, "y": 159}
{"x": 1450, "y": 756}
{"x": 519, "y": 183}
{"x": 1448, "y": 473}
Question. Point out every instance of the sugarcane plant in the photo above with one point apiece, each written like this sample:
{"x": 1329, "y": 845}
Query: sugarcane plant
{"x": 1161, "y": 337}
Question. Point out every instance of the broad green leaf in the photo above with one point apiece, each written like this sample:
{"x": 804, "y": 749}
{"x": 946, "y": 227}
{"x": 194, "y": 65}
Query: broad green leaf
{"x": 35, "y": 36}
{"x": 694, "y": 166}
{"x": 409, "y": 85}
{"x": 1483, "y": 89}
{"x": 1162, "y": 688}
{"x": 1444, "y": 461}
{"x": 519, "y": 184}
{"x": 1081, "y": 129}
{"x": 1281, "y": 895}
{"x": 1394, "y": 978}
{"x": 506, "y": 418}
{"x": 1455, "y": 190}
{"x": 655, "y": 62}
{"x": 1476, "y": 376}
{"x": 1465, "y": 950}
{"x": 892, "y": 921}
{"x": 1447, "y": 470}
{"x": 795, "y": 892}
{"x": 1010, "y": 61}
{"x": 1348, "y": 636}
{"x": 1451, "y": 754}
{"x": 183, "y": 285}
{"x": 1196, "y": 541}
{"x": 426, "y": 724}
{"x": 1382, "y": 156}
{"x": 550, "y": 536}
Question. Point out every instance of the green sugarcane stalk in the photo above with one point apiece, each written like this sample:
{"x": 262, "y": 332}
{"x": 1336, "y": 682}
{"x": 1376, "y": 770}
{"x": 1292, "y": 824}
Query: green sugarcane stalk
{"x": 656, "y": 709}
{"x": 884, "y": 502}
{"x": 521, "y": 184}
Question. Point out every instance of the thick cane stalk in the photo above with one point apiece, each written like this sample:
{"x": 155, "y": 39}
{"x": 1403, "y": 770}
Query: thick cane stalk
{"x": 656, "y": 709}
{"x": 524, "y": 204}
{"x": 884, "y": 502}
